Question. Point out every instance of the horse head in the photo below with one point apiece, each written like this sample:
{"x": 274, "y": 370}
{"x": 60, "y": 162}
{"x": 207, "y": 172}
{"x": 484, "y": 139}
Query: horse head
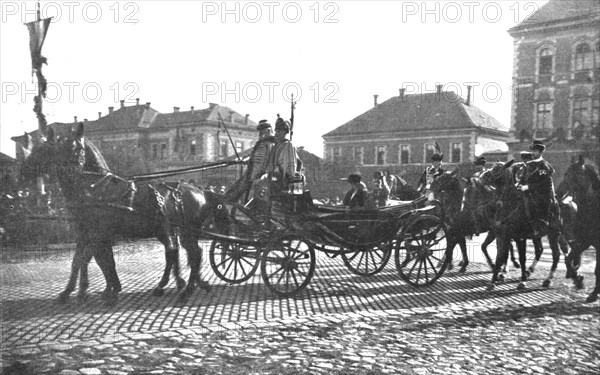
{"x": 448, "y": 184}
{"x": 581, "y": 180}
{"x": 499, "y": 176}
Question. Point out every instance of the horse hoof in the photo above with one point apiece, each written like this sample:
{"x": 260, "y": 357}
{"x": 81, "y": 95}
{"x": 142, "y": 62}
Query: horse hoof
{"x": 547, "y": 283}
{"x": 592, "y": 298}
{"x": 463, "y": 269}
{"x": 111, "y": 300}
{"x": 63, "y": 298}
{"x": 521, "y": 286}
{"x": 450, "y": 266}
{"x": 81, "y": 298}
{"x": 490, "y": 287}
{"x": 528, "y": 273}
{"x": 492, "y": 265}
{"x": 158, "y": 292}
{"x": 516, "y": 264}
{"x": 570, "y": 274}
{"x": 204, "y": 285}
{"x": 460, "y": 264}
{"x": 500, "y": 278}
{"x": 578, "y": 281}
{"x": 181, "y": 284}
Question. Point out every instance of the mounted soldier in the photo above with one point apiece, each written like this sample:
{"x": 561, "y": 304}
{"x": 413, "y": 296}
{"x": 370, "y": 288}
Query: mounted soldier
{"x": 432, "y": 172}
{"x": 536, "y": 182}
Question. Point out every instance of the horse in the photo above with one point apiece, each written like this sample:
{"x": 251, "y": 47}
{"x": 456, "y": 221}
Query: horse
{"x": 583, "y": 183}
{"x": 400, "y": 188}
{"x": 511, "y": 223}
{"x": 467, "y": 210}
{"x": 104, "y": 206}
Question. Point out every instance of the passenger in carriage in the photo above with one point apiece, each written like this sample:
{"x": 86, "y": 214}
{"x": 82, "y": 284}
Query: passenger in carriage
{"x": 283, "y": 166}
{"x": 381, "y": 190}
{"x": 356, "y": 196}
{"x": 538, "y": 187}
{"x": 432, "y": 172}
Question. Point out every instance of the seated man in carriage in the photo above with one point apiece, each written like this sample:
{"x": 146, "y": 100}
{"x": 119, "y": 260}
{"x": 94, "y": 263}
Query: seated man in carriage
{"x": 380, "y": 194}
{"x": 536, "y": 182}
{"x": 432, "y": 172}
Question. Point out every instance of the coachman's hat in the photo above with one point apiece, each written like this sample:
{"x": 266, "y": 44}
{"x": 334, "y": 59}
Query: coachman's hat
{"x": 263, "y": 124}
{"x": 480, "y": 161}
{"x": 537, "y": 145}
{"x": 353, "y": 178}
{"x": 281, "y": 124}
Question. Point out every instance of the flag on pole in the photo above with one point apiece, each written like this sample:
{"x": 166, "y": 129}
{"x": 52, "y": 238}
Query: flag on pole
{"x": 37, "y": 34}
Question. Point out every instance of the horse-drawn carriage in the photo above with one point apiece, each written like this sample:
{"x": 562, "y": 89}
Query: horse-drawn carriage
{"x": 283, "y": 241}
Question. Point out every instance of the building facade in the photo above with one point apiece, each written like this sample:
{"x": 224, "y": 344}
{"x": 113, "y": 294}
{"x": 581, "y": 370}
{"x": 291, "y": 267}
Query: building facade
{"x": 399, "y": 134}
{"x": 556, "y": 76}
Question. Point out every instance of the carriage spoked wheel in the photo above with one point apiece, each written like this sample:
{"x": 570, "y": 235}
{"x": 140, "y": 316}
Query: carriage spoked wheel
{"x": 420, "y": 247}
{"x": 288, "y": 265}
{"x": 233, "y": 262}
{"x": 367, "y": 261}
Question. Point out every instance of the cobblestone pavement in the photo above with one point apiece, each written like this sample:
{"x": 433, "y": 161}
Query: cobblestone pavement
{"x": 342, "y": 323}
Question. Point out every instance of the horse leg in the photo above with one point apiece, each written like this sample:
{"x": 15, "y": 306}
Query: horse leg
{"x": 106, "y": 261}
{"x": 194, "y": 253}
{"x": 573, "y": 261}
{"x": 512, "y": 257}
{"x": 76, "y": 263}
{"x": 171, "y": 262}
{"x": 465, "y": 257}
{"x": 449, "y": 254}
{"x": 501, "y": 257}
{"x": 593, "y": 297}
{"x": 539, "y": 249}
{"x": 87, "y": 254}
{"x": 553, "y": 238}
{"x": 488, "y": 240}
{"x": 522, "y": 249}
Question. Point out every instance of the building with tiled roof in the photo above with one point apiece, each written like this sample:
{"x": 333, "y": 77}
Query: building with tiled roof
{"x": 138, "y": 139}
{"x": 556, "y": 76}
{"x": 400, "y": 133}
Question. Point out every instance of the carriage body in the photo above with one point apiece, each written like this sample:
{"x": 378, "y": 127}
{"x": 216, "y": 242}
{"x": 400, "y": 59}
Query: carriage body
{"x": 281, "y": 237}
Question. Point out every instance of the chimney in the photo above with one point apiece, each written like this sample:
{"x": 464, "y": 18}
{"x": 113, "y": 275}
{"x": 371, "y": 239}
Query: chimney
{"x": 99, "y": 114}
{"x": 137, "y": 101}
{"x": 212, "y": 105}
{"x": 85, "y": 121}
{"x": 402, "y": 93}
{"x": 469, "y": 95}
{"x": 75, "y": 121}
{"x": 246, "y": 119}
{"x": 231, "y": 116}
{"x": 192, "y": 108}
{"x": 110, "y": 110}
{"x": 147, "y": 105}
{"x": 175, "y": 109}
{"x": 375, "y": 100}
{"x": 439, "y": 88}
{"x": 122, "y": 103}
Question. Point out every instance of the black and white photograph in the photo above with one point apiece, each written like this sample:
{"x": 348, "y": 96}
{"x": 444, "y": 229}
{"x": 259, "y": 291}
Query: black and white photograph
{"x": 299, "y": 187}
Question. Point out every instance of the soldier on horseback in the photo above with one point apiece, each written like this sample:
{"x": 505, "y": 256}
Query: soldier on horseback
{"x": 536, "y": 182}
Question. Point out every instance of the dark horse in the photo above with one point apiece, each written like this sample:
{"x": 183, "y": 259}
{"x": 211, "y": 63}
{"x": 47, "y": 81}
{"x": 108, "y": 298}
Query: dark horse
{"x": 583, "y": 183}
{"x": 468, "y": 211}
{"x": 105, "y": 206}
{"x": 400, "y": 188}
{"x": 511, "y": 223}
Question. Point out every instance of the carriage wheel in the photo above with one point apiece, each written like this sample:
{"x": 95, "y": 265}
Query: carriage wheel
{"x": 367, "y": 261}
{"x": 288, "y": 265}
{"x": 233, "y": 262}
{"x": 419, "y": 250}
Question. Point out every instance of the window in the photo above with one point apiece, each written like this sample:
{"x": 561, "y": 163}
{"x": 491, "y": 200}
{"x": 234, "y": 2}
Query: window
{"x": 456, "y": 149}
{"x": 544, "y": 116}
{"x": 358, "y": 155}
{"x": 429, "y": 151}
{"x": 583, "y": 57}
{"x": 223, "y": 149}
{"x": 193, "y": 147}
{"x": 595, "y": 112}
{"x": 404, "y": 154}
{"x": 580, "y": 112}
{"x": 380, "y": 153}
{"x": 239, "y": 146}
{"x": 546, "y": 62}
{"x": 337, "y": 153}
{"x": 154, "y": 151}
{"x": 163, "y": 150}
{"x": 597, "y": 56}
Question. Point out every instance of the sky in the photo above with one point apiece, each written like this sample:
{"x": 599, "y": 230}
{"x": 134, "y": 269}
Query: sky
{"x": 253, "y": 55}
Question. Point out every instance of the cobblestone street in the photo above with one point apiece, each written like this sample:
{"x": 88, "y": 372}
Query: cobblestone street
{"x": 341, "y": 324}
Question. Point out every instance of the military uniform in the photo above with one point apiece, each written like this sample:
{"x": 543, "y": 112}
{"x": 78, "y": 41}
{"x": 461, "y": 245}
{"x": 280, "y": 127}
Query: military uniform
{"x": 282, "y": 165}
{"x": 429, "y": 175}
{"x": 381, "y": 193}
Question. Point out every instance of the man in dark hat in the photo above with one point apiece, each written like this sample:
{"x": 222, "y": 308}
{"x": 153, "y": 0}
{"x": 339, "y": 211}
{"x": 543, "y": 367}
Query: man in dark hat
{"x": 356, "y": 196}
{"x": 282, "y": 166}
{"x": 432, "y": 172}
{"x": 257, "y": 164}
{"x": 538, "y": 186}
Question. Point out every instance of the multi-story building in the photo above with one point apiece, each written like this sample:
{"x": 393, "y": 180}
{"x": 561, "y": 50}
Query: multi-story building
{"x": 556, "y": 72}
{"x": 400, "y": 134}
{"x": 138, "y": 139}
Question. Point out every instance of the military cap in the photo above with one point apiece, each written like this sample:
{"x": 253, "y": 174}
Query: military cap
{"x": 353, "y": 178}
{"x": 537, "y": 145}
{"x": 263, "y": 124}
{"x": 281, "y": 124}
{"x": 480, "y": 161}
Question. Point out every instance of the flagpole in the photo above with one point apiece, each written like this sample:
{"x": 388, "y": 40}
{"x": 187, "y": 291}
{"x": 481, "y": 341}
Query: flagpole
{"x": 41, "y": 125}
